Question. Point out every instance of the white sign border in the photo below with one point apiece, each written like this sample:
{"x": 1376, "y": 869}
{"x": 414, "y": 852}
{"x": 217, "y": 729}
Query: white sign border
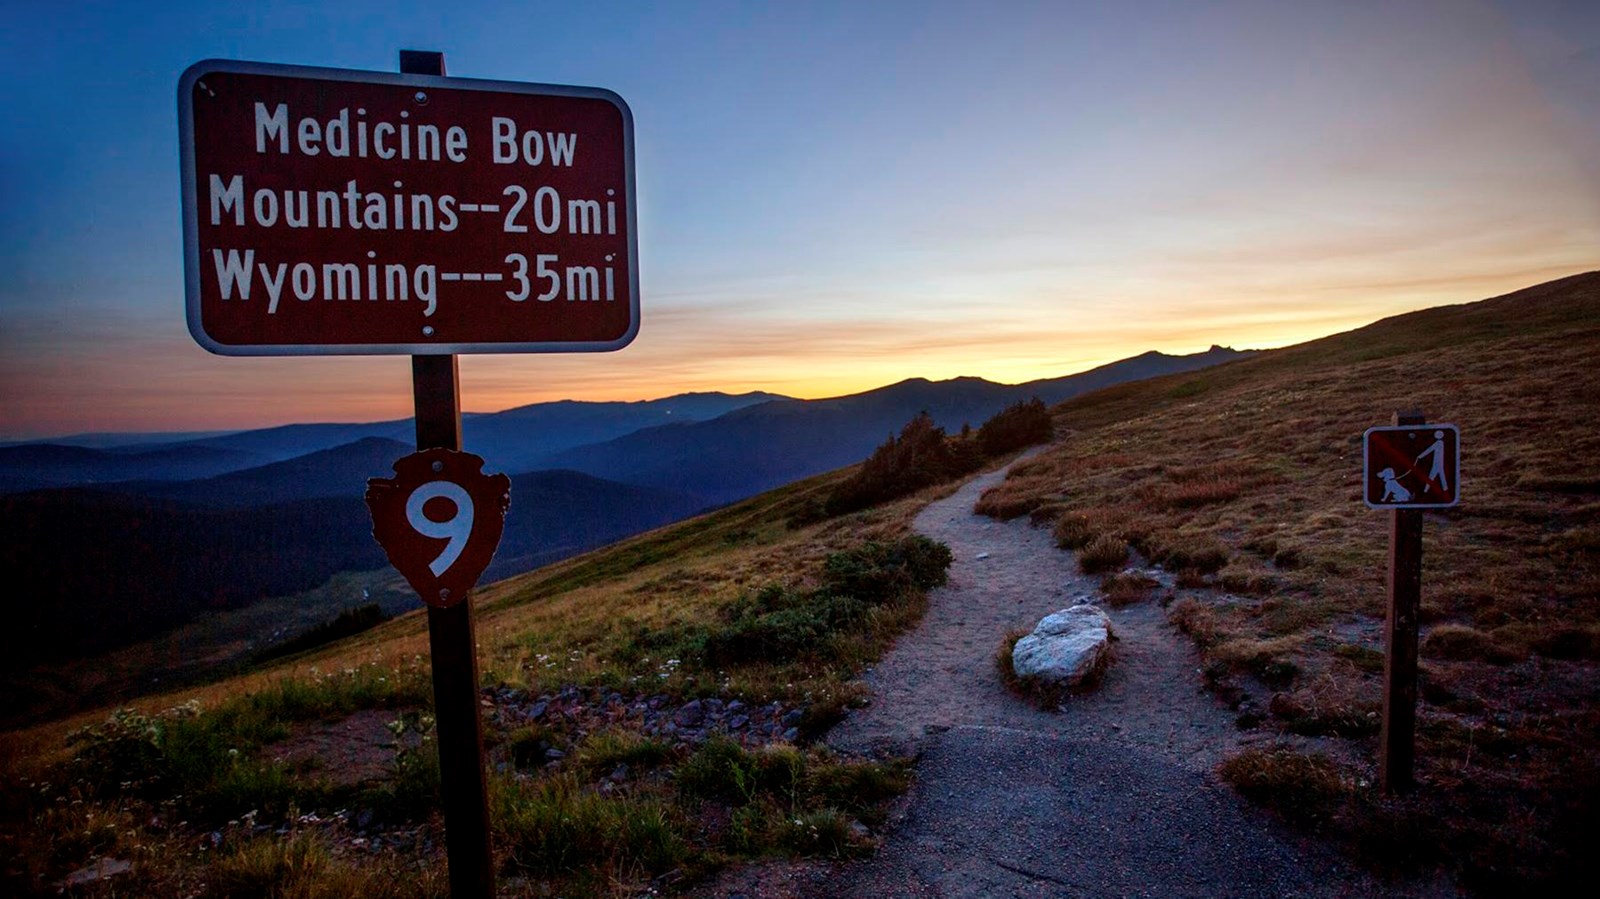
{"x": 191, "y": 223}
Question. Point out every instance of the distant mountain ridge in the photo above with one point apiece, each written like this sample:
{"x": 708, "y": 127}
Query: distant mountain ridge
{"x": 513, "y": 440}
{"x": 339, "y": 471}
{"x": 760, "y": 447}
{"x": 35, "y": 466}
{"x": 107, "y": 567}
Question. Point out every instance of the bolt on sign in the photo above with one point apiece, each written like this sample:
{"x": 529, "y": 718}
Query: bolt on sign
{"x": 329, "y": 211}
{"x": 439, "y": 520}
{"x": 1411, "y": 466}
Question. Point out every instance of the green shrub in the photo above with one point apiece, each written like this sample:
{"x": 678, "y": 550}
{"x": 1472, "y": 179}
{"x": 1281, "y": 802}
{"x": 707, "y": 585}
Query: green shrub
{"x": 876, "y": 572}
{"x": 856, "y": 786}
{"x": 1015, "y": 427}
{"x": 347, "y": 624}
{"x": 554, "y": 827}
{"x": 723, "y": 770}
{"x": 125, "y": 748}
{"x": 528, "y": 745}
{"x": 822, "y": 832}
{"x": 604, "y": 751}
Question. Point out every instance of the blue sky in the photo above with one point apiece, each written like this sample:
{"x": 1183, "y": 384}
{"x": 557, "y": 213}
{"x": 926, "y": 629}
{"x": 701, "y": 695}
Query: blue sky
{"x": 837, "y": 196}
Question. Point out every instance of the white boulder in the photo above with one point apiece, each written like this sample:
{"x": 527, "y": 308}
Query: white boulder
{"x": 1066, "y": 647}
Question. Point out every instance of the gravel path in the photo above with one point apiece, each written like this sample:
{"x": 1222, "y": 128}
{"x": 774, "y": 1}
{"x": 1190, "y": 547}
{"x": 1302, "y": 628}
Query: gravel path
{"x": 1111, "y": 796}
{"x": 1006, "y": 575}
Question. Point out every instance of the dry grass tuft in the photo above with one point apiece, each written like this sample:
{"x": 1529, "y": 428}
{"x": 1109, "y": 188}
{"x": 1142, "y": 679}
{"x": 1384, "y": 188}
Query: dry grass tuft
{"x": 1013, "y": 498}
{"x": 1104, "y": 553}
{"x": 1127, "y": 588}
{"x": 1460, "y": 643}
{"x": 1304, "y": 787}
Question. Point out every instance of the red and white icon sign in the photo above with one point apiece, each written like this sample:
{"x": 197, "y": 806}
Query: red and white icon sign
{"x": 439, "y": 520}
{"x": 1411, "y": 466}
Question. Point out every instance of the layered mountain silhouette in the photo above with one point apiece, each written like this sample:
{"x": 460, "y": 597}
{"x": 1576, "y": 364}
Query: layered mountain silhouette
{"x": 127, "y": 541}
{"x": 760, "y": 447}
{"x": 32, "y": 466}
{"x": 105, "y": 568}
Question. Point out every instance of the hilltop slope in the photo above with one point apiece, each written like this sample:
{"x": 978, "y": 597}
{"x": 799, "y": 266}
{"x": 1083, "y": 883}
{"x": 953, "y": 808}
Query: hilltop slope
{"x": 1245, "y": 480}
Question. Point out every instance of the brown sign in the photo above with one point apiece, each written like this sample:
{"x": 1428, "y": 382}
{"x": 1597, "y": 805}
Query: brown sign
{"x": 334, "y": 211}
{"x": 439, "y": 520}
{"x": 1411, "y": 466}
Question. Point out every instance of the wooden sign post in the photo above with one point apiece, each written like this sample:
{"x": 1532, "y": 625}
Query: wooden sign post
{"x": 1397, "y": 739}
{"x": 1406, "y": 467}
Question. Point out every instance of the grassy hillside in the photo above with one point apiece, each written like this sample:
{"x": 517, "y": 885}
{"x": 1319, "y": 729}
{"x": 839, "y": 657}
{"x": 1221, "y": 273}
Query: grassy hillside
{"x": 595, "y": 791}
{"x": 1241, "y": 479}
{"x": 1245, "y": 480}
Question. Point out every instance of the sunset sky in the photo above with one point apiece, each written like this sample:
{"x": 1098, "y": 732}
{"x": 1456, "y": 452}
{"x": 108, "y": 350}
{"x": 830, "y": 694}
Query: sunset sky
{"x": 836, "y": 196}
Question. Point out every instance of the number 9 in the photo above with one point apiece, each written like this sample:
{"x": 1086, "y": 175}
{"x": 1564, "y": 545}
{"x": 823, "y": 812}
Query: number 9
{"x": 457, "y": 528}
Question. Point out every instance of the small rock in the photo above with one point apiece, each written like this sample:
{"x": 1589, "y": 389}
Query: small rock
{"x": 738, "y": 722}
{"x": 102, "y": 869}
{"x": 691, "y": 715}
{"x": 735, "y": 707}
{"x": 859, "y": 830}
{"x": 1065, "y": 648}
{"x": 1285, "y": 706}
{"x": 790, "y": 735}
{"x": 554, "y": 754}
{"x": 536, "y": 711}
{"x": 981, "y": 556}
{"x": 793, "y": 718}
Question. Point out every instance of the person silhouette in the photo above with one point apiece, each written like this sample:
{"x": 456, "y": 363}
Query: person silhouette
{"x": 1436, "y": 472}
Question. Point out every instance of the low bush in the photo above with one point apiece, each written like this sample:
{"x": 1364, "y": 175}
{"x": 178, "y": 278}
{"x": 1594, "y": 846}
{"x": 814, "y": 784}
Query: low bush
{"x": 723, "y": 770}
{"x": 783, "y": 799}
{"x": 1015, "y": 427}
{"x": 605, "y": 751}
{"x": 919, "y": 457}
{"x": 347, "y": 624}
{"x": 555, "y": 828}
{"x": 877, "y": 572}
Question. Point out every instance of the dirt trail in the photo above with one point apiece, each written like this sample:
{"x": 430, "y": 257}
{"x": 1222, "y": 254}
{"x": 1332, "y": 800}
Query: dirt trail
{"x": 1005, "y": 575}
{"x": 1112, "y": 796}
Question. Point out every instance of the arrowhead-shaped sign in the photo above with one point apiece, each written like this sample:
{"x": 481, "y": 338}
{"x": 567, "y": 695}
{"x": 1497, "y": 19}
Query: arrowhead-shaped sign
{"x": 439, "y": 520}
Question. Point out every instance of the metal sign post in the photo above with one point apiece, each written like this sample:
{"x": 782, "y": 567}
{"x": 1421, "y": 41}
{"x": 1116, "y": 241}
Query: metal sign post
{"x": 452, "y": 643}
{"x": 1407, "y": 467}
{"x": 337, "y": 212}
